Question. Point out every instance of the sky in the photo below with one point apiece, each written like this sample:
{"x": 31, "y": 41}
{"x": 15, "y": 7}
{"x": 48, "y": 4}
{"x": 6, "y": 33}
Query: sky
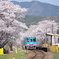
{"x": 54, "y": 2}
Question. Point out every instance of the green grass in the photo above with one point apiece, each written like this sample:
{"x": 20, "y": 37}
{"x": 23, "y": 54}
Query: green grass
{"x": 19, "y": 55}
{"x": 56, "y": 55}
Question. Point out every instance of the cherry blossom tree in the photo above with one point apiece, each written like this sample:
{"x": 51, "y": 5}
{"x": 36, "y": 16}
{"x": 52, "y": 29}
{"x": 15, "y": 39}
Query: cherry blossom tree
{"x": 41, "y": 29}
{"x": 8, "y": 23}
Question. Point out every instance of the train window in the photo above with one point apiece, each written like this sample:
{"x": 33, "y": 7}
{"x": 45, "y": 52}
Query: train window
{"x": 34, "y": 39}
{"x": 30, "y": 40}
{"x": 27, "y": 40}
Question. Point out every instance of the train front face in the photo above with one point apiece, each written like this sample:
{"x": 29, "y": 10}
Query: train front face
{"x": 31, "y": 42}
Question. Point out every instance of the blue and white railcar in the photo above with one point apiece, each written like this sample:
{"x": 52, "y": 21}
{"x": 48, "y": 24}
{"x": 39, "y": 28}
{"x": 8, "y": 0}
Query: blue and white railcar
{"x": 30, "y": 42}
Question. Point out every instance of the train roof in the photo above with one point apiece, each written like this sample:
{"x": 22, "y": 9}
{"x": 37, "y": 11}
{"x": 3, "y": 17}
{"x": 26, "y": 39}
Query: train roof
{"x": 30, "y": 37}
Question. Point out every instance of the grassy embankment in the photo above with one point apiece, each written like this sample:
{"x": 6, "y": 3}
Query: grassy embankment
{"x": 20, "y": 55}
{"x": 56, "y": 55}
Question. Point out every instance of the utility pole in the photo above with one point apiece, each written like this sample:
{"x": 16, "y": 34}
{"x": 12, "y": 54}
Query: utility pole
{"x": 46, "y": 36}
{"x": 52, "y": 28}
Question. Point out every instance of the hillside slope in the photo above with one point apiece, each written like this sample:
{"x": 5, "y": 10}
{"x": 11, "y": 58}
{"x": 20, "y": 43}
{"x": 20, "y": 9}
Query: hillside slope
{"x": 37, "y": 8}
{"x": 31, "y": 19}
{"x": 34, "y": 19}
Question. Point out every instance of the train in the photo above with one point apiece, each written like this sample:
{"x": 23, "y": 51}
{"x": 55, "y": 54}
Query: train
{"x": 30, "y": 42}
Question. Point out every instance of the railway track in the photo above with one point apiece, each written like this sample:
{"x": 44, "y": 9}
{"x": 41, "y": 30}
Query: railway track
{"x": 38, "y": 54}
{"x": 35, "y": 54}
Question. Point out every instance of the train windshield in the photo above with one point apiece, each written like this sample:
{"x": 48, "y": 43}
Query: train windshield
{"x": 28, "y": 40}
{"x": 31, "y": 39}
{"x": 34, "y": 39}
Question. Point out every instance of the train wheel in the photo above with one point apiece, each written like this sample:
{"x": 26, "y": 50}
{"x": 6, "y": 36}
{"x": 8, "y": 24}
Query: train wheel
{"x": 34, "y": 47}
{"x": 26, "y": 48}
